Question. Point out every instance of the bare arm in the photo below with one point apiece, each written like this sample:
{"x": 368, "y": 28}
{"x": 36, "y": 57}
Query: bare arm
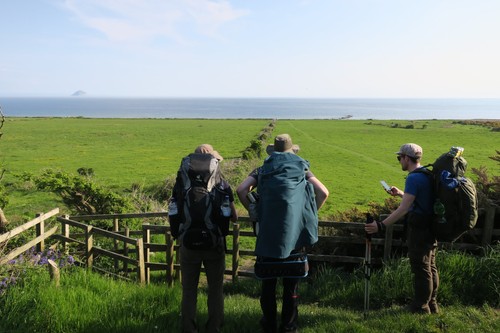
{"x": 320, "y": 191}
{"x": 246, "y": 186}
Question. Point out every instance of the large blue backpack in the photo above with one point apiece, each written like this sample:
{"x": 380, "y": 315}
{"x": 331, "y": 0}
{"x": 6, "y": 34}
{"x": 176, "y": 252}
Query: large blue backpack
{"x": 287, "y": 212}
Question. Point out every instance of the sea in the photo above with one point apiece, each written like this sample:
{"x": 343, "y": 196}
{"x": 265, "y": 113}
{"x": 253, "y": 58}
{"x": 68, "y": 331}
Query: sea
{"x": 251, "y": 108}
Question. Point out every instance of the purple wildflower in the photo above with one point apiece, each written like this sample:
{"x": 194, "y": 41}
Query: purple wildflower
{"x": 43, "y": 261}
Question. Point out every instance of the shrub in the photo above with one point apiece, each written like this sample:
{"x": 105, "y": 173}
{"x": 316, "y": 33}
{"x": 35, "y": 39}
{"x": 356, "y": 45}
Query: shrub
{"x": 80, "y": 194}
{"x": 488, "y": 189}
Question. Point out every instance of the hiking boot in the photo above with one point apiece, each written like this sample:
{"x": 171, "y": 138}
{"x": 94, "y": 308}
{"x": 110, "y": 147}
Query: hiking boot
{"x": 434, "y": 308}
{"x": 268, "y": 327}
{"x": 416, "y": 309}
{"x": 292, "y": 329}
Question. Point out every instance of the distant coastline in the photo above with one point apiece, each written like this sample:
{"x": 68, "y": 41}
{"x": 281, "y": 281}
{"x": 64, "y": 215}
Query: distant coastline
{"x": 251, "y": 108}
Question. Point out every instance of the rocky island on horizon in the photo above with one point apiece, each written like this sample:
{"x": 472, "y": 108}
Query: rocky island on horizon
{"x": 79, "y": 93}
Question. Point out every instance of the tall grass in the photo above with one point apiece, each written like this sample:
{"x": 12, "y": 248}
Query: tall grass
{"x": 88, "y": 302}
{"x": 332, "y": 301}
{"x": 466, "y": 279}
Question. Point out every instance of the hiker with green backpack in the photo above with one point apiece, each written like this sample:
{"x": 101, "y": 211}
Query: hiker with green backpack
{"x": 287, "y": 199}
{"x": 417, "y": 206}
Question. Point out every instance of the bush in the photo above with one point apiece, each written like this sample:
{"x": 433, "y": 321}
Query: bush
{"x": 488, "y": 189}
{"x": 80, "y": 193}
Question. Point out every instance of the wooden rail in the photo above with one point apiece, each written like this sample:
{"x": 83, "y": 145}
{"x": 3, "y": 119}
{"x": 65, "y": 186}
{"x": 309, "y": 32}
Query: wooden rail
{"x": 91, "y": 250}
{"x": 348, "y": 234}
{"x": 168, "y": 247}
{"x": 39, "y": 241}
{"x": 337, "y": 235}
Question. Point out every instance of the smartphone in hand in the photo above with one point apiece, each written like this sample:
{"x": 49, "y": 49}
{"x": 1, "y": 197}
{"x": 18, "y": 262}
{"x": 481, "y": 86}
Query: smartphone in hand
{"x": 385, "y": 186}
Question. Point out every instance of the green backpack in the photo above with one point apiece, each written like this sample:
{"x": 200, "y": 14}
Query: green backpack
{"x": 456, "y": 203}
{"x": 287, "y": 213}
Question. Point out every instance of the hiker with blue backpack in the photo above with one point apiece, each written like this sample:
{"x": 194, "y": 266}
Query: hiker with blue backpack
{"x": 285, "y": 207}
{"x": 417, "y": 206}
{"x": 200, "y": 209}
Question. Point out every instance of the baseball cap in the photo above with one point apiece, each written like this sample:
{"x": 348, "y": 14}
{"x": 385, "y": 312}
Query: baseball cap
{"x": 411, "y": 150}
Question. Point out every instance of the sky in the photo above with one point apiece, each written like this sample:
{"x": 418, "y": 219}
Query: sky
{"x": 251, "y": 48}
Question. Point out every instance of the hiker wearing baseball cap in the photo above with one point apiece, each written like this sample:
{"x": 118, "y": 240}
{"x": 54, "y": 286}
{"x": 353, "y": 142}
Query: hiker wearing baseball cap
{"x": 411, "y": 150}
{"x": 417, "y": 205}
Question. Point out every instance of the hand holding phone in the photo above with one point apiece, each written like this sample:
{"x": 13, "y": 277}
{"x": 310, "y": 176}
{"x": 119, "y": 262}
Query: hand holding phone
{"x": 387, "y": 188}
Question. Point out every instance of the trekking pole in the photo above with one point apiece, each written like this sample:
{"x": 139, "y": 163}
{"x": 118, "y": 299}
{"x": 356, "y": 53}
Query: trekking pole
{"x": 368, "y": 238}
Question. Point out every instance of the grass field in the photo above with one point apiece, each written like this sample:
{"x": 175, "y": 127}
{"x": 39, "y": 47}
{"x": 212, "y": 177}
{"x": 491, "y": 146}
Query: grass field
{"x": 349, "y": 156}
{"x": 331, "y": 302}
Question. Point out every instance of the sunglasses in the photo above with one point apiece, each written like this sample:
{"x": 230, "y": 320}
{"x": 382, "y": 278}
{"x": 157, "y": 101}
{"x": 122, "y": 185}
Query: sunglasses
{"x": 399, "y": 157}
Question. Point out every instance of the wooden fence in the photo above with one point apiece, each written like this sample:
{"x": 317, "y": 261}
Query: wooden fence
{"x": 38, "y": 242}
{"x": 135, "y": 247}
{"x": 136, "y": 257}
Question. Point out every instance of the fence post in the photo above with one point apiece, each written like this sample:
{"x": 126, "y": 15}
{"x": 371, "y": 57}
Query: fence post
{"x": 40, "y": 228}
{"x": 89, "y": 244}
{"x": 236, "y": 251}
{"x": 169, "y": 240}
{"x": 389, "y": 231}
{"x": 65, "y": 233}
{"x": 54, "y": 272}
{"x": 146, "y": 238}
{"x": 489, "y": 223}
{"x": 140, "y": 261}
{"x": 125, "y": 251}
{"x": 116, "y": 228}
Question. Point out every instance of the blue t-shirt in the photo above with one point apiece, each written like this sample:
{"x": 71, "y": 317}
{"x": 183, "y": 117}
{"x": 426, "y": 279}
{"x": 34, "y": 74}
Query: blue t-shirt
{"x": 420, "y": 185}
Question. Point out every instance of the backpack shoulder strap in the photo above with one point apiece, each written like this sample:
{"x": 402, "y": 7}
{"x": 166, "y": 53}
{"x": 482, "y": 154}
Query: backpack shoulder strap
{"x": 429, "y": 173}
{"x": 431, "y": 176}
{"x": 425, "y": 170}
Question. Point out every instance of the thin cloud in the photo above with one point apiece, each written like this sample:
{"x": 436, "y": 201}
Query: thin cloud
{"x": 210, "y": 15}
{"x": 144, "y": 20}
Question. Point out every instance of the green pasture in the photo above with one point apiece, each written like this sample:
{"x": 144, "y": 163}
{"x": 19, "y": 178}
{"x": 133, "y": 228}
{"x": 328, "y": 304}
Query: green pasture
{"x": 349, "y": 156}
{"x": 121, "y": 151}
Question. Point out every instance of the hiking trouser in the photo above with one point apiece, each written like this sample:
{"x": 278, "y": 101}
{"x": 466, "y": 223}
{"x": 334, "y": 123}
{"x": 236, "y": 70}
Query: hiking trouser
{"x": 425, "y": 281}
{"x": 214, "y": 263}
{"x": 422, "y": 254}
{"x": 289, "y": 310}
